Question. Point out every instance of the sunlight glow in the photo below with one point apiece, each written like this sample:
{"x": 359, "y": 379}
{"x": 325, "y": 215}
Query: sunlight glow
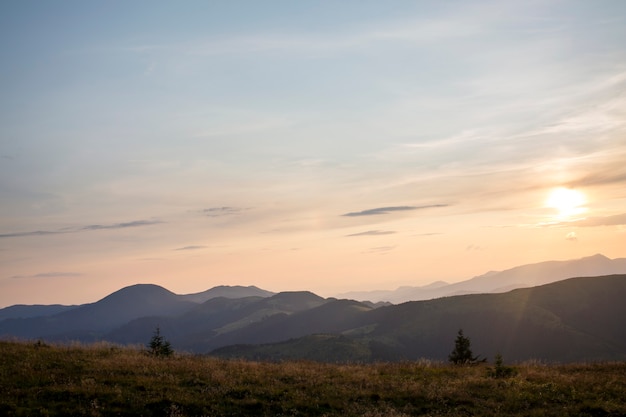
{"x": 567, "y": 202}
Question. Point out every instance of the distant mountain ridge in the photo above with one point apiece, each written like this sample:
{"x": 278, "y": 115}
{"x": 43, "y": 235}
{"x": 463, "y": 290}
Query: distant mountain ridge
{"x": 228, "y": 291}
{"x": 568, "y": 320}
{"x": 500, "y": 281}
{"x": 578, "y": 319}
{"x": 29, "y": 311}
{"x": 89, "y": 322}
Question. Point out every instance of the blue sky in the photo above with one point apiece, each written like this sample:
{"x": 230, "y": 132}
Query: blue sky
{"x": 204, "y": 143}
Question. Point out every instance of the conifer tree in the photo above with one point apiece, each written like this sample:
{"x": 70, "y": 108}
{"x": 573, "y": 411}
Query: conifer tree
{"x": 462, "y": 353}
{"x": 158, "y": 346}
{"x": 501, "y": 371}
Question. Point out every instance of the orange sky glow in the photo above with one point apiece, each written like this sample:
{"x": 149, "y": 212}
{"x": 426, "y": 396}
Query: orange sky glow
{"x": 295, "y": 147}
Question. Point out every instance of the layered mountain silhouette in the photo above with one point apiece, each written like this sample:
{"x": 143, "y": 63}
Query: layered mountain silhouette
{"x": 578, "y": 319}
{"x": 90, "y": 322}
{"x": 27, "y": 311}
{"x": 500, "y": 281}
{"x": 569, "y": 320}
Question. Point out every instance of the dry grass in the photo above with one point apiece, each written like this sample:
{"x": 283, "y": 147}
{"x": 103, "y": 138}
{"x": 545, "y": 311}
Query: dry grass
{"x": 105, "y": 380}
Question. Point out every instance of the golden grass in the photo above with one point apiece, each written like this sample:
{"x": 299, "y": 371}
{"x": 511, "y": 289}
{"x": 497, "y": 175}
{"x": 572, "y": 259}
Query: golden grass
{"x": 105, "y": 380}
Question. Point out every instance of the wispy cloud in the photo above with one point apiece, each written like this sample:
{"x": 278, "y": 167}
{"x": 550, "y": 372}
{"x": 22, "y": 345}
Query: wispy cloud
{"x": 409, "y": 31}
{"x": 386, "y": 210}
{"x": 49, "y": 275}
{"x": 463, "y": 138}
{"x": 380, "y": 249}
{"x": 136, "y": 223}
{"x": 91, "y": 227}
{"x": 571, "y": 236}
{"x": 193, "y": 247}
{"x": 615, "y": 220}
{"x": 608, "y": 174}
{"x": 32, "y": 233}
{"x": 373, "y": 233}
{"x": 222, "y": 211}
{"x": 607, "y": 113}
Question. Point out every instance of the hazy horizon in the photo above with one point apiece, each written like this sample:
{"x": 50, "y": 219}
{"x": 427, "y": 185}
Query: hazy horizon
{"x": 353, "y": 291}
{"x": 331, "y": 147}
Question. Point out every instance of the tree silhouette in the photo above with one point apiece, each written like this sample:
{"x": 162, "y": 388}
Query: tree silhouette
{"x": 462, "y": 353}
{"x": 501, "y": 371}
{"x": 158, "y": 346}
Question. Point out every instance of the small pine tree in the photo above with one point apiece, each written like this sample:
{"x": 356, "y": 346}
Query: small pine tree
{"x": 158, "y": 346}
{"x": 501, "y": 371}
{"x": 462, "y": 353}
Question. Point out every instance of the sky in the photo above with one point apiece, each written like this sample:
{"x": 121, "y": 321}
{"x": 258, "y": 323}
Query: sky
{"x": 311, "y": 145}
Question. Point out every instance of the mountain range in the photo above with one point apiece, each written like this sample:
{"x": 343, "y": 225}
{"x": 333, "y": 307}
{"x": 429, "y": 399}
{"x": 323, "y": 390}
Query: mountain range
{"x": 499, "y": 281}
{"x": 569, "y": 320}
{"x": 578, "y": 319}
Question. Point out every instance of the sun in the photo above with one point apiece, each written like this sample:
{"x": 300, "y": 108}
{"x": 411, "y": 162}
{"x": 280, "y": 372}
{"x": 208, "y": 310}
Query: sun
{"x": 567, "y": 202}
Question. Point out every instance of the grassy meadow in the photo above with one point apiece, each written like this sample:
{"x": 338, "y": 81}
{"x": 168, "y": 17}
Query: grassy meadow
{"x": 104, "y": 380}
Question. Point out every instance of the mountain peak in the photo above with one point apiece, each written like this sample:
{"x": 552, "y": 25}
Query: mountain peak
{"x": 228, "y": 291}
{"x": 436, "y": 284}
{"x": 296, "y": 300}
{"x": 597, "y": 256}
{"x": 297, "y": 295}
{"x": 139, "y": 291}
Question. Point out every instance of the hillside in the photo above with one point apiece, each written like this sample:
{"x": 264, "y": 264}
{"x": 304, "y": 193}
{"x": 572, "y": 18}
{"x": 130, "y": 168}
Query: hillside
{"x": 577, "y": 319}
{"x": 222, "y": 321}
{"x": 103, "y": 380}
{"x": 20, "y": 311}
{"x": 90, "y": 322}
{"x": 573, "y": 320}
{"x": 87, "y": 322}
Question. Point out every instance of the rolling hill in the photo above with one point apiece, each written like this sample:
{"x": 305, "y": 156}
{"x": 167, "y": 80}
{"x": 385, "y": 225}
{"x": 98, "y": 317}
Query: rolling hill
{"x": 89, "y": 322}
{"x": 578, "y": 319}
{"x": 228, "y": 291}
{"x": 21, "y": 311}
{"x": 568, "y": 320}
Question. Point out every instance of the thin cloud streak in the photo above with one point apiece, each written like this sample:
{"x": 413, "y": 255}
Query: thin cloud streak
{"x": 608, "y": 174}
{"x": 615, "y": 220}
{"x": 386, "y": 210}
{"x": 222, "y": 211}
{"x": 193, "y": 247}
{"x": 373, "y": 233}
{"x": 136, "y": 223}
{"x": 33, "y": 233}
{"x": 380, "y": 249}
{"x": 49, "y": 275}
{"x": 415, "y": 31}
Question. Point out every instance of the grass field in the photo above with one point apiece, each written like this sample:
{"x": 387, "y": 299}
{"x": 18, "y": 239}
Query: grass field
{"x": 103, "y": 380}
